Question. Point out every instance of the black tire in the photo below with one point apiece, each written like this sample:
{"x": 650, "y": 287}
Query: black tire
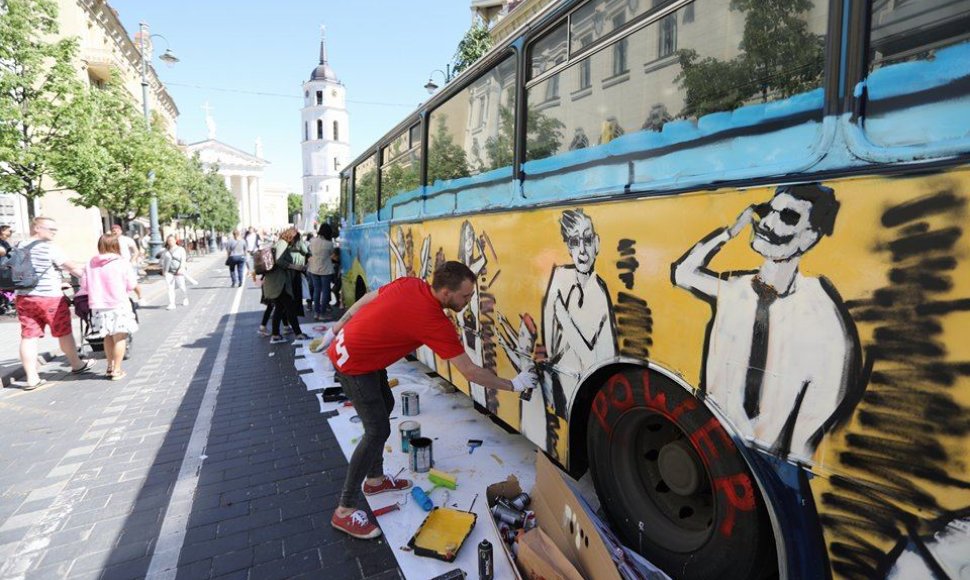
{"x": 673, "y": 484}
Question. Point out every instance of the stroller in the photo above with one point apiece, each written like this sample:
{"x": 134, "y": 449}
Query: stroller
{"x": 81, "y": 309}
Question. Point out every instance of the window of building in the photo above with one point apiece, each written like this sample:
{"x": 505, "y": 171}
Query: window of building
{"x": 585, "y": 80}
{"x": 319, "y": 97}
{"x": 336, "y": 132}
{"x": 548, "y": 50}
{"x": 450, "y": 154}
{"x": 306, "y": 131}
{"x": 336, "y": 164}
{"x": 319, "y": 128}
{"x": 620, "y": 48}
{"x": 668, "y": 35}
{"x": 688, "y": 14}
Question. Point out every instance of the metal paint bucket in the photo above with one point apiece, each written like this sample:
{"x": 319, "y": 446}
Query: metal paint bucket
{"x": 422, "y": 458}
{"x": 410, "y": 403}
{"x": 409, "y": 430}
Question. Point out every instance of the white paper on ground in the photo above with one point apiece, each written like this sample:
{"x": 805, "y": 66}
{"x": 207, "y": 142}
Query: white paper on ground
{"x": 449, "y": 420}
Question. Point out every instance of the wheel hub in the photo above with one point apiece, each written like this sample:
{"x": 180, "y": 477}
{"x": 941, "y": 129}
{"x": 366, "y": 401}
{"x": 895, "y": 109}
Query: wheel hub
{"x": 679, "y": 468}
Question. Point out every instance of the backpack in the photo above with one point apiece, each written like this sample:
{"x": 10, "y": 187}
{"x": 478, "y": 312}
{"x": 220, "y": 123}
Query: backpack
{"x": 263, "y": 260}
{"x": 17, "y": 269}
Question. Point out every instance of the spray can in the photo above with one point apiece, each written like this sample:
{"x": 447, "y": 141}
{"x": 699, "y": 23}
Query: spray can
{"x": 486, "y": 565}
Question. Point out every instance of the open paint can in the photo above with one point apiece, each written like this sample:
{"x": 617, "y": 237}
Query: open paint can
{"x": 410, "y": 403}
{"x": 421, "y": 456}
{"x": 409, "y": 430}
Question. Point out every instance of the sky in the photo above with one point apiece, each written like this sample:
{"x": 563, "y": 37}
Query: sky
{"x": 382, "y": 50}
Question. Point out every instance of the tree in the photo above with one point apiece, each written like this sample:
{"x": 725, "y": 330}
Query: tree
{"x": 543, "y": 138}
{"x": 110, "y": 163}
{"x": 446, "y": 159}
{"x": 779, "y": 57}
{"x": 39, "y": 91}
{"x": 472, "y": 46}
{"x": 294, "y": 205}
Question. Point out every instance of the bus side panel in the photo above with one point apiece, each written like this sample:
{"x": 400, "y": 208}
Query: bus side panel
{"x": 860, "y": 375}
{"x": 363, "y": 260}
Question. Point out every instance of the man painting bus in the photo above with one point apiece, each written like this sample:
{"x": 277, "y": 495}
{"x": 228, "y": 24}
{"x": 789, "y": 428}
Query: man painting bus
{"x": 380, "y": 328}
{"x": 782, "y": 353}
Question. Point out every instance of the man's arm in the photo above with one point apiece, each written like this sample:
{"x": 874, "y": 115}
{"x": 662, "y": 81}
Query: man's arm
{"x": 366, "y": 298}
{"x": 476, "y": 374}
{"x": 690, "y": 272}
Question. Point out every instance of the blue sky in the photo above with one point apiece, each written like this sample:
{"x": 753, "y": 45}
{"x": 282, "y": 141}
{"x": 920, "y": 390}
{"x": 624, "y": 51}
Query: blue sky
{"x": 382, "y": 50}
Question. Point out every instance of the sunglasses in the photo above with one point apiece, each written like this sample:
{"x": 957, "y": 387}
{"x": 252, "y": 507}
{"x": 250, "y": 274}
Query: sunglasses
{"x": 573, "y": 241}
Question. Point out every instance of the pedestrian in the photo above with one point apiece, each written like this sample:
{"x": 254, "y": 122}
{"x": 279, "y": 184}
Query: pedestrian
{"x": 282, "y": 285}
{"x": 107, "y": 280}
{"x": 252, "y": 244}
{"x": 320, "y": 269}
{"x": 45, "y": 305}
{"x": 236, "y": 258}
{"x": 130, "y": 251}
{"x": 380, "y": 328}
{"x": 173, "y": 262}
{"x": 5, "y": 233}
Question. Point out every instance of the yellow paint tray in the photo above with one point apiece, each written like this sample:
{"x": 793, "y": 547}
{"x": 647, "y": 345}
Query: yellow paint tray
{"x": 442, "y": 533}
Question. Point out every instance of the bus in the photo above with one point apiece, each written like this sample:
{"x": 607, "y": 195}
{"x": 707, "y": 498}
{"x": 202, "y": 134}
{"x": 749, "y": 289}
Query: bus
{"x": 729, "y": 233}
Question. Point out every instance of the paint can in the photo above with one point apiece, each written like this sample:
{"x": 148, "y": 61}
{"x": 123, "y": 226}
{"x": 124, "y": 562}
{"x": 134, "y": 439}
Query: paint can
{"x": 409, "y": 430}
{"x": 521, "y": 501}
{"x": 503, "y": 512}
{"x": 422, "y": 458}
{"x": 410, "y": 403}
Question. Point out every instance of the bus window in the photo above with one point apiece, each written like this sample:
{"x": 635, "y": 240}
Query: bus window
{"x": 344, "y": 192}
{"x": 400, "y": 168}
{"x": 365, "y": 191}
{"x": 917, "y": 44}
{"x": 598, "y": 19}
{"x": 472, "y": 132}
{"x": 675, "y": 80}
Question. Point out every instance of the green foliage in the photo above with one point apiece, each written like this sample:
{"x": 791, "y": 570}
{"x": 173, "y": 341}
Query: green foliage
{"x": 39, "y": 90}
{"x": 204, "y": 201}
{"x": 446, "y": 159}
{"x": 294, "y": 205}
{"x": 779, "y": 58}
{"x": 543, "y": 138}
{"x": 472, "y": 46}
{"x": 330, "y": 215}
{"x": 365, "y": 193}
{"x": 400, "y": 176}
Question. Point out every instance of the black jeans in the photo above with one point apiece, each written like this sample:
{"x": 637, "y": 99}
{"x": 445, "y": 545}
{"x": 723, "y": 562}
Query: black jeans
{"x": 284, "y": 306}
{"x": 373, "y": 402}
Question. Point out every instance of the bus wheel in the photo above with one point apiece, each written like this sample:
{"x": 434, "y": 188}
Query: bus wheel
{"x": 672, "y": 482}
{"x": 359, "y": 289}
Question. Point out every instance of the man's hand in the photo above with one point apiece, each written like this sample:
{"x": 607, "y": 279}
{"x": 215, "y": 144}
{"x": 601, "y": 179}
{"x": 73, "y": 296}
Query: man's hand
{"x": 324, "y": 341}
{"x": 526, "y": 380}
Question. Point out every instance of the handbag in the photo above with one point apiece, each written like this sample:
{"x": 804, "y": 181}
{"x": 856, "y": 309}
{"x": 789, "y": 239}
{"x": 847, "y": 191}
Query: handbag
{"x": 229, "y": 261}
{"x": 263, "y": 260}
{"x": 173, "y": 264}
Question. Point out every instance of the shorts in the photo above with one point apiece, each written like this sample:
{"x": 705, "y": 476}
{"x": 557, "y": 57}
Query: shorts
{"x": 36, "y": 312}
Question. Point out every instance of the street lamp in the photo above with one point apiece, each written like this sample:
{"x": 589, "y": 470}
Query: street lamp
{"x": 431, "y": 86}
{"x": 155, "y": 241}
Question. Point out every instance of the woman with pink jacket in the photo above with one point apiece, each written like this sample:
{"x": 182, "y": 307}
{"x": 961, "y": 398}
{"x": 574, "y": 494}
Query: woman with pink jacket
{"x": 108, "y": 279}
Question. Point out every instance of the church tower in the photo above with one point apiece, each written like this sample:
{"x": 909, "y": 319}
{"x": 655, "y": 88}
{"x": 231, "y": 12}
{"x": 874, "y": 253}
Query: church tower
{"x": 326, "y": 137}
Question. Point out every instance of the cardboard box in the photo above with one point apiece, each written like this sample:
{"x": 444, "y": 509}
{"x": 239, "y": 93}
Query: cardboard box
{"x": 563, "y": 521}
{"x": 540, "y": 558}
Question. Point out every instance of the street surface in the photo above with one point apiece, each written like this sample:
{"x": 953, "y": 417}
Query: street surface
{"x": 209, "y": 460}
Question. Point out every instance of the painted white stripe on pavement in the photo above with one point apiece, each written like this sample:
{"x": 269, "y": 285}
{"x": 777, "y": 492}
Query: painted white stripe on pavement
{"x": 165, "y": 557}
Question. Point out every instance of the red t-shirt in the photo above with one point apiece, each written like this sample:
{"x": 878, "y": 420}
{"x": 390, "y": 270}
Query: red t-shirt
{"x": 404, "y": 316}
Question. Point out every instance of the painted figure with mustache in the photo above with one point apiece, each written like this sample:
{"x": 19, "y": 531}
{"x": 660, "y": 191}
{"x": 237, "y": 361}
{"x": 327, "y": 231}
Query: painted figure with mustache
{"x": 782, "y": 353}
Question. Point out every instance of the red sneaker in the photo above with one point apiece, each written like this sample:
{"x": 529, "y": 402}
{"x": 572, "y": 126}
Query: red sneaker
{"x": 356, "y": 524}
{"x": 388, "y": 484}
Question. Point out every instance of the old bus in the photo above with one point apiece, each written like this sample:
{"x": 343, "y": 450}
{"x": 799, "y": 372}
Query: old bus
{"x": 731, "y": 234}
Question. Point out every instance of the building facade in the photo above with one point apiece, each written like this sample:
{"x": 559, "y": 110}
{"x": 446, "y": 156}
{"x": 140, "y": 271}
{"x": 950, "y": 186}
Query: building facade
{"x": 325, "y": 138}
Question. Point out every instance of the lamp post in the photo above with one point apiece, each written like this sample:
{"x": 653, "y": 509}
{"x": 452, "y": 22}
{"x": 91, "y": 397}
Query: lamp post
{"x": 431, "y": 86}
{"x": 155, "y": 241}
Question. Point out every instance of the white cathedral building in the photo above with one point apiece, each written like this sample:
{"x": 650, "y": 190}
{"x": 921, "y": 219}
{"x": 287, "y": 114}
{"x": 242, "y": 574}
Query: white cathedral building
{"x": 326, "y": 138}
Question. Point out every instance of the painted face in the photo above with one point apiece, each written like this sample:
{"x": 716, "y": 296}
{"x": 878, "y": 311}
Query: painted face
{"x": 457, "y": 299}
{"x": 584, "y": 245}
{"x": 468, "y": 242}
{"x": 785, "y": 231}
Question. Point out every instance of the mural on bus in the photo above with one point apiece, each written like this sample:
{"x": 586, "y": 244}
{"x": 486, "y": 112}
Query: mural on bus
{"x": 821, "y": 321}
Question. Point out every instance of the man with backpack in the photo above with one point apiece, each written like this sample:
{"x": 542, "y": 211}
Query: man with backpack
{"x": 33, "y": 268}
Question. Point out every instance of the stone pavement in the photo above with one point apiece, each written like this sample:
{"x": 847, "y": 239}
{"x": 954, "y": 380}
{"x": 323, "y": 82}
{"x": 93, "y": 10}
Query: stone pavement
{"x": 210, "y": 460}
